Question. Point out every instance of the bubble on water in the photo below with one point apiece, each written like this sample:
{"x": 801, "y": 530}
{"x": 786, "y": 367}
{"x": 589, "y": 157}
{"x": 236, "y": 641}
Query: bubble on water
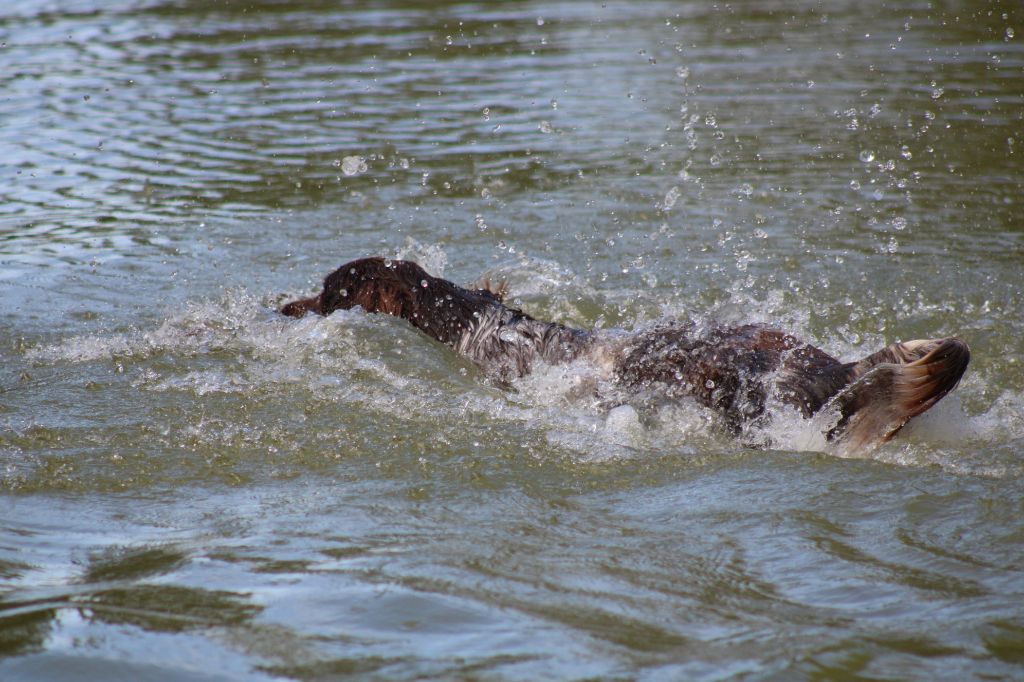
{"x": 540, "y": 21}
{"x": 683, "y": 72}
{"x": 715, "y": 160}
{"x": 1009, "y": 33}
{"x": 353, "y": 165}
{"x": 545, "y": 127}
{"x": 906, "y": 153}
{"x": 866, "y": 156}
{"x": 854, "y": 185}
{"x": 671, "y": 197}
{"x": 899, "y": 223}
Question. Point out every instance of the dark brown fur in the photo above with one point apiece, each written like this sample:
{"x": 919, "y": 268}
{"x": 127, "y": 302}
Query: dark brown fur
{"x": 732, "y": 369}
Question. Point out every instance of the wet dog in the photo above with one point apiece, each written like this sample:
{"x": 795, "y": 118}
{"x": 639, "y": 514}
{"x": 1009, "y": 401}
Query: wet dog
{"x": 733, "y": 370}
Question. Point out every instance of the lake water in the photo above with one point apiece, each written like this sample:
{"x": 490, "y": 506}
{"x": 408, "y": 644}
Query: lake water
{"x": 193, "y": 488}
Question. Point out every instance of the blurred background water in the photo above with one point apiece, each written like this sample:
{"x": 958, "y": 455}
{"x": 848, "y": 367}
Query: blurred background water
{"x": 194, "y": 488}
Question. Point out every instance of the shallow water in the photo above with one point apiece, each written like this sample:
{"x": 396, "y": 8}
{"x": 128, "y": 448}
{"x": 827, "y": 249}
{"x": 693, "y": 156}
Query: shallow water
{"x": 194, "y": 488}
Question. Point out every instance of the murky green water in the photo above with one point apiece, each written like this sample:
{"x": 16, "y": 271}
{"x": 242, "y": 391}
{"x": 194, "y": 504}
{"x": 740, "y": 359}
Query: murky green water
{"x": 194, "y": 488}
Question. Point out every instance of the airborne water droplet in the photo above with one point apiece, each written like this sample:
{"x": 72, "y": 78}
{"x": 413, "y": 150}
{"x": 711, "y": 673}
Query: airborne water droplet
{"x": 353, "y": 165}
{"x": 867, "y": 156}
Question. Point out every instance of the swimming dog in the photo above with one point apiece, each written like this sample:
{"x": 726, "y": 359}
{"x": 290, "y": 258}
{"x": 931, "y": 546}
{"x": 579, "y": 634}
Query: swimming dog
{"x": 733, "y": 370}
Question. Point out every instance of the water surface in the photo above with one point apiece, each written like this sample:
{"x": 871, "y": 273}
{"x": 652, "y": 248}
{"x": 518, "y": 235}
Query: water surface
{"x": 194, "y": 488}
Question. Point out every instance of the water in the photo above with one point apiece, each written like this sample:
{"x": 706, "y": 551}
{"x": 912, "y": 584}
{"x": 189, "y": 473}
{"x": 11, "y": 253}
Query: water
{"x": 194, "y": 488}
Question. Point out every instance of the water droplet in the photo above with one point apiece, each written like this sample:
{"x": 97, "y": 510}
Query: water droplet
{"x": 353, "y": 165}
{"x": 867, "y": 156}
{"x": 683, "y": 72}
{"x": 709, "y": 384}
{"x": 905, "y": 152}
{"x": 508, "y": 335}
{"x": 1009, "y": 33}
{"x": 486, "y": 113}
{"x": 540, "y": 21}
{"x": 545, "y": 127}
{"x": 344, "y": 293}
{"x": 854, "y": 185}
{"x": 899, "y": 223}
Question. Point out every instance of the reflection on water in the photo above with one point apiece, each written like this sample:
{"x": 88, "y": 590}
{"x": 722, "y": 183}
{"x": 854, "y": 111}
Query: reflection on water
{"x": 196, "y": 488}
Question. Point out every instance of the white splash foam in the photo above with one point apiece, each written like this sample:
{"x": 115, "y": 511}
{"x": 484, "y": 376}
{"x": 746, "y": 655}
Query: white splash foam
{"x": 431, "y": 257}
{"x": 330, "y": 356}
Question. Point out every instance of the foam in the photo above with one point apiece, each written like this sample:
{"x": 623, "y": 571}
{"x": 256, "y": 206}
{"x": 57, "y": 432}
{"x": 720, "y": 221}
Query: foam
{"x": 383, "y": 365}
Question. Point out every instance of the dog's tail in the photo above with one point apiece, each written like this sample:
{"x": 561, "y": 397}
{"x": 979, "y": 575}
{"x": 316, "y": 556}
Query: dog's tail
{"x": 302, "y": 306}
{"x": 893, "y": 386}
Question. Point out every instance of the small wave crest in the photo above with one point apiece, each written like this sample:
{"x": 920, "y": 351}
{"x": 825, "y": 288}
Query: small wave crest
{"x": 238, "y": 345}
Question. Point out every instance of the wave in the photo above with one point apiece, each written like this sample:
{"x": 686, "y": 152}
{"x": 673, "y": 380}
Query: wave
{"x": 238, "y": 345}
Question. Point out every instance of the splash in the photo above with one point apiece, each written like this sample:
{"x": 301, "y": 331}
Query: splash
{"x": 238, "y": 346}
